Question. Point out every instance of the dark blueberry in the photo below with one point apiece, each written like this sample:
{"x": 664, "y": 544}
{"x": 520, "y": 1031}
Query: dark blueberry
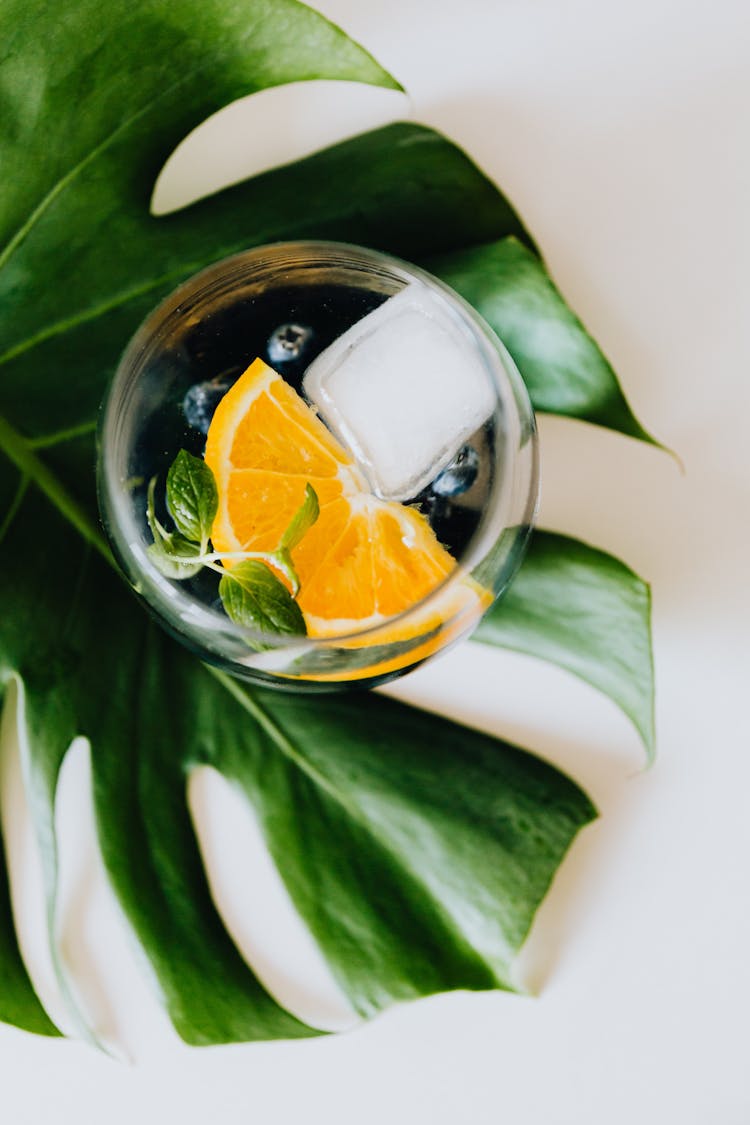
{"x": 460, "y": 475}
{"x": 288, "y": 342}
{"x": 201, "y": 401}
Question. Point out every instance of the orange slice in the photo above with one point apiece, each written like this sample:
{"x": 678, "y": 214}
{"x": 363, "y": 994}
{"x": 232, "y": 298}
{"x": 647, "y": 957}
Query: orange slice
{"x": 365, "y": 560}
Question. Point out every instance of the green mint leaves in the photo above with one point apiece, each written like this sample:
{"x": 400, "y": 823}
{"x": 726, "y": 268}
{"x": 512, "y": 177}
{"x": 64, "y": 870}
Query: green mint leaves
{"x": 173, "y": 555}
{"x": 192, "y": 497}
{"x": 251, "y": 594}
{"x": 254, "y": 597}
{"x": 302, "y": 521}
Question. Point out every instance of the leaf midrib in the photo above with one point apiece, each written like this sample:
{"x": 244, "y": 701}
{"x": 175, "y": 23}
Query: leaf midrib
{"x": 60, "y": 185}
{"x": 289, "y": 750}
{"x": 57, "y": 188}
{"x": 76, "y": 320}
{"x": 71, "y": 175}
{"x": 284, "y": 744}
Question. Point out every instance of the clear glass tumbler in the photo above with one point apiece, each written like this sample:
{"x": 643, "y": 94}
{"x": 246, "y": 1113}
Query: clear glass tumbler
{"x": 288, "y": 304}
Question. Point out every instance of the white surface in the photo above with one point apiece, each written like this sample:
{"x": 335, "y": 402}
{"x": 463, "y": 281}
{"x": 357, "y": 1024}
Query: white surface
{"x": 404, "y": 388}
{"x": 620, "y": 130}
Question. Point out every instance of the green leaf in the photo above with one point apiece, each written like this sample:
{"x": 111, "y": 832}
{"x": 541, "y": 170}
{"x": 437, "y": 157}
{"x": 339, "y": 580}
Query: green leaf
{"x": 300, "y": 524}
{"x": 416, "y": 850}
{"x": 135, "y": 84}
{"x": 434, "y": 844}
{"x": 169, "y": 548}
{"x": 302, "y": 520}
{"x": 282, "y": 561}
{"x": 256, "y": 599}
{"x": 162, "y": 553}
{"x": 19, "y": 1003}
{"x": 402, "y": 188}
{"x": 192, "y": 497}
{"x": 586, "y": 611}
{"x": 97, "y": 666}
{"x": 563, "y": 367}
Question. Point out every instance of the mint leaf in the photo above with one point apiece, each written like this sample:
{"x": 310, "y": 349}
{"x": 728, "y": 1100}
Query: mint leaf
{"x": 302, "y": 520}
{"x": 282, "y": 560}
{"x": 255, "y": 598}
{"x": 167, "y": 545}
{"x": 300, "y": 524}
{"x": 192, "y": 497}
{"x": 162, "y": 553}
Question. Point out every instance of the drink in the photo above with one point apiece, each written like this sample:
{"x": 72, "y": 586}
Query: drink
{"x": 289, "y": 306}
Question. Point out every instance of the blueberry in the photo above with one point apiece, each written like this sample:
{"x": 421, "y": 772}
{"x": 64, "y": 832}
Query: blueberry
{"x": 460, "y": 475}
{"x": 201, "y": 401}
{"x": 288, "y": 342}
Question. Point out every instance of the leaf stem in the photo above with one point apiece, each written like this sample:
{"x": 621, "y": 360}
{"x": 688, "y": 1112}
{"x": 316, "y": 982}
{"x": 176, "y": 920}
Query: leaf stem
{"x": 211, "y": 566}
{"x": 219, "y": 556}
{"x": 279, "y": 559}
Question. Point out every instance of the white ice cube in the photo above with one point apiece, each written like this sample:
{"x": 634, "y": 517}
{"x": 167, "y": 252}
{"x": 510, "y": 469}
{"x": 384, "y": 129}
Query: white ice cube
{"x": 404, "y": 389}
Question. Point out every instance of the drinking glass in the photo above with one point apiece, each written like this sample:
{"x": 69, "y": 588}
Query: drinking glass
{"x": 287, "y": 303}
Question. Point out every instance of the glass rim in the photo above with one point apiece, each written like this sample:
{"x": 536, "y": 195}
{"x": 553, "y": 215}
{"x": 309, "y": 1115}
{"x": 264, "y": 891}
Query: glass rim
{"x": 164, "y": 596}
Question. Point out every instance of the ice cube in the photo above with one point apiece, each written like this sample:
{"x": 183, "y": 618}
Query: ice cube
{"x": 404, "y": 389}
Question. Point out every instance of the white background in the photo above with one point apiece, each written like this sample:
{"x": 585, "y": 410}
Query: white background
{"x": 621, "y": 133}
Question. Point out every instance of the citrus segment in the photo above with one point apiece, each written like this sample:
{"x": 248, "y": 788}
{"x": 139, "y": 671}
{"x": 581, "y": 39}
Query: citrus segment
{"x": 297, "y": 410}
{"x": 260, "y": 504}
{"x": 262, "y": 424}
{"x": 409, "y": 564}
{"x": 365, "y": 560}
{"x": 343, "y": 587}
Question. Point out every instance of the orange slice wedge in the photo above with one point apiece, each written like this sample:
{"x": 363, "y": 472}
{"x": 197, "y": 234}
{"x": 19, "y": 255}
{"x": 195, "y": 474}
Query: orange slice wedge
{"x": 365, "y": 561}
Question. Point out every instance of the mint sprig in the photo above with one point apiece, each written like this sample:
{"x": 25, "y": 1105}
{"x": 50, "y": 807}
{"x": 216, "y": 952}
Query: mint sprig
{"x": 251, "y": 593}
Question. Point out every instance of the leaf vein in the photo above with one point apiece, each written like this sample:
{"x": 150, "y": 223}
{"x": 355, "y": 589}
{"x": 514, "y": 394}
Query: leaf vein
{"x": 284, "y": 744}
{"x": 25, "y": 229}
{"x": 17, "y": 449}
{"x": 15, "y": 504}
{"x": 80, "y": 318}
{"x": 59, "y": 437}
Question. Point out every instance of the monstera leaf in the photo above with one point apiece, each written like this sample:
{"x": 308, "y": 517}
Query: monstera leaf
{"x": 563, "y": 368}
{"x": 417, "y": 852}
{"x": 566, "y": 605}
